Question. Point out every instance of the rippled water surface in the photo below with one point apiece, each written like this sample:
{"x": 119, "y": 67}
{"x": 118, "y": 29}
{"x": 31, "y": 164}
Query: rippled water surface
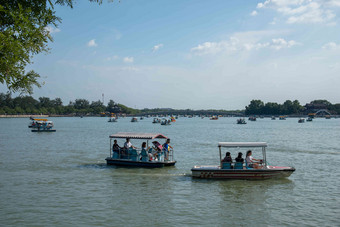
{"x": 61, "y": 178}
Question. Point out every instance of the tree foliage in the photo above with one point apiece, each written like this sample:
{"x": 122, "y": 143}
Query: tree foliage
{"x": 23, "y": 34}
{"x": 45, "y": 105}
{"x": 257, "y": 107}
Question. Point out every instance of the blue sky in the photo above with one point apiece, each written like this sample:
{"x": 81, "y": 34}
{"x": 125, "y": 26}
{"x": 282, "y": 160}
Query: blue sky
{"x": 194, "y": 54}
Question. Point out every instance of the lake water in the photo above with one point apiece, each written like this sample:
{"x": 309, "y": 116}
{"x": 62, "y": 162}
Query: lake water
{"x": 61, "y": 178}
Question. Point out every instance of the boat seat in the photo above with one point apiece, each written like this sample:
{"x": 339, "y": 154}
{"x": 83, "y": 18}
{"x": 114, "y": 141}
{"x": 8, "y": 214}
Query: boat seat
{"x": 145, "y": 159}
{"x": 160, "y": 155}
{"x": 248, "y": 167}
{"x": 238, "y": 165}
{"x": 226, "y": 165}
{"x": 144, "y": 155}
{"x": 115, "y": 155}
{"x": 133, "y": 154}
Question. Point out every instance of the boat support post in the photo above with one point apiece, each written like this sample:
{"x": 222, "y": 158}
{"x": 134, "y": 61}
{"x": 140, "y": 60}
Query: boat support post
{"x": 220, "y": 157}
{"x": 264, "y": 157}
{"x": 110, "y": 147}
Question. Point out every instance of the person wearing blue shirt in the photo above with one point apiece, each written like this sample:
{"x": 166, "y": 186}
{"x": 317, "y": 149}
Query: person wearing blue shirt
{"x": 166, "y": 148}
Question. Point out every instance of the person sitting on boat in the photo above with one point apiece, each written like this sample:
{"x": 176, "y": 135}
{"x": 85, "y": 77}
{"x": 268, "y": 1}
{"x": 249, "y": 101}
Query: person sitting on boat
{"x": 115, "y": 146}
{"x": 252, "y": 162}
{"x": 166, "y": 149}
{"x": 156, "y": 152}
{"x": 227, "y": 158}
{"x": 144, "y": 153}
{"x": 239, "y": 158}
{"x": 128, "y": 144}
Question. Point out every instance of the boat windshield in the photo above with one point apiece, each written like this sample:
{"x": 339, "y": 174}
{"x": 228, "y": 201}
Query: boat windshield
{"x": 238, "y": 153}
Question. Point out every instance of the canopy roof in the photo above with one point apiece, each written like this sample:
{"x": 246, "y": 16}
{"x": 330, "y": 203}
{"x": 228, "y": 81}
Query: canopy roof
{"x": 134, "y": 135}
{"x": 242, "y": 144}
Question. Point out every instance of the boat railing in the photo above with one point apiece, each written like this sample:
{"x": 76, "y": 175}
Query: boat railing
{"x": 136, "y": 155}
{"x": 242, "y": 165}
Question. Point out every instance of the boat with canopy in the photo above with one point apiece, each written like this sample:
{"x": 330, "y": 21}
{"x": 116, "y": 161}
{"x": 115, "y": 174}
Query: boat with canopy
{"x": 155, "y": 156}
{"x": 242, "y": 170}
{"x": 41, "y": 125}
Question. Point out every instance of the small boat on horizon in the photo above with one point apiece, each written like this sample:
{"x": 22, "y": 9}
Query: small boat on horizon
{"x": 241, "y": 121}
{"x": 42, "y": 125}
{"x": 252, "y": 118}
{"x": 112, "y": 119}
{"x": 301, "y": 120}
{"x": 214, "y": 118}
{"x": 282, "y": 118}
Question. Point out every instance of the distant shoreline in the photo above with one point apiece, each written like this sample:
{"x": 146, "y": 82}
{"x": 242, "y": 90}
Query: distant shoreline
{"x": 72, "y": 115}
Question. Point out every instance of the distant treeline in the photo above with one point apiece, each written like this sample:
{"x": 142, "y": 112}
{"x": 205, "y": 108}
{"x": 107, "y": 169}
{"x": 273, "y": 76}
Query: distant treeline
{"x": 257, "y": 107}
{"x": 44, "y": 105}
{"x": 28, "y": 105}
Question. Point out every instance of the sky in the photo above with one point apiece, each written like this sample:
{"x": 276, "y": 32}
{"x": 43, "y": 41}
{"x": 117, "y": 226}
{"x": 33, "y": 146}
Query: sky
{"x": 193, "y": 54}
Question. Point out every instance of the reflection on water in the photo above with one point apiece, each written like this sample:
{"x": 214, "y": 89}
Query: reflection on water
{"x": 61, "y": 178}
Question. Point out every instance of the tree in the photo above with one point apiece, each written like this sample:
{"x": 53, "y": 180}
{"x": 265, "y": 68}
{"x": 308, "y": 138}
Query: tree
{"x": 81, "y": 104}
{"x": 45, "y": 102}
{"x": 57, "y": 102}
{"x": 23, "y": 34}
{"x": 113, "y": 107}
{"x": 255, "y": 107}
{"x": 97, "y": 107}
{"x": 271, "y": 108}
{"x": 297, "y": 108}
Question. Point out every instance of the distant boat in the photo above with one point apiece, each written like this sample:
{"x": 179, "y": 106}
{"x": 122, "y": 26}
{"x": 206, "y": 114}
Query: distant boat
{"x": 252, "y": 118}
{"x": 273, "y": 118}
{"x": 309, "y": 119}
{"x": 301, "y": 120}
{"x": 282, "y": 118}
{"x": 241, "y": 121}
{"x": 166, "y": 122}
{"x": 36, "y": 122}
{"x": 112, "y": 119}
{"x": 214, "y": 118}
{"x": 134, "y": 119}
{"x": 156, "y": 121}
{"x": 43, "y": 126}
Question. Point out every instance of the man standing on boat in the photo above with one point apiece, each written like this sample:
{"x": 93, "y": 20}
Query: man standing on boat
{"x": 166, "y": 148}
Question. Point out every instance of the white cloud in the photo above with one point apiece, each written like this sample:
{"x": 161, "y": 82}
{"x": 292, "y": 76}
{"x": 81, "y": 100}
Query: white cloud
{"x": 209, "y": 48}
{"x": 303, "y": 11}
{"x": 157, "y": 47}
{"x": 128, "y": 59}
{"x": 254, "y": 13}
{"x": 52, "y": 30}
{"x": 243, "y": 42}
{"x": 331, "y": 46}
{"x": 115, "y": 57}
{"x": 280, "y": 43}
{"x": 335, "y": 3}
{"x": 92, "y": 43}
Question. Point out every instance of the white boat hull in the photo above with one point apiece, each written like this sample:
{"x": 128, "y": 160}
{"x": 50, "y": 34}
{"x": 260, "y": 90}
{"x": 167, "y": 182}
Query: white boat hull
{"x": 215, "y": 172}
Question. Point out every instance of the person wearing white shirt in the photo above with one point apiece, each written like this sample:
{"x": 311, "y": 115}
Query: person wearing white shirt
{"x": 252, "y": 162}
